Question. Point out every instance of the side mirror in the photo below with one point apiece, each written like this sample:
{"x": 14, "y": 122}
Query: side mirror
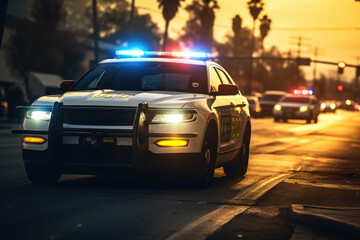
{"x": 66, "y": 85}
{"x": 228, "y": 89}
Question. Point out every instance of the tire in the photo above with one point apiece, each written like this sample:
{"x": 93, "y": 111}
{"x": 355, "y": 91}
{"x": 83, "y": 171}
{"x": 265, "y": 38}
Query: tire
{"x": 285, "y": 120}
{"x": 238, "y": 167}
{"x": 276, "y": 119}
{"x": 39, "y": 174}
{"x": 308, "y": 120}
{"x": 316, "y": 120}
{"x": 206, "y": 168}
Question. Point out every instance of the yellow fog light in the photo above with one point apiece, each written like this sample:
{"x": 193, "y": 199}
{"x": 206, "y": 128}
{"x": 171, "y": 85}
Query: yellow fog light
{"x": 172, "y": 143}
{"x": 303, "y": 109}
{"x": 277, "y": 107}
{"x": 38, "y": 140}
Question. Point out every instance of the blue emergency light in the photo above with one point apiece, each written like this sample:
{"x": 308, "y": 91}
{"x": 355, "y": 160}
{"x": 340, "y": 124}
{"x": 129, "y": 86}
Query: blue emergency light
{"x": 140, "y": 53}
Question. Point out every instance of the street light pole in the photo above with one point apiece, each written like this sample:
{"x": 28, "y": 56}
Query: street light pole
{"x": 96, "y": 33}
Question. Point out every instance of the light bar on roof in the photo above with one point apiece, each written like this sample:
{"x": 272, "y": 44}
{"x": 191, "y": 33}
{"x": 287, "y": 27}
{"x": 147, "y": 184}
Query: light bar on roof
{"x": 139, "y": 53}
{"x": 302, "y": 91}
{"x": 131, "y": 53}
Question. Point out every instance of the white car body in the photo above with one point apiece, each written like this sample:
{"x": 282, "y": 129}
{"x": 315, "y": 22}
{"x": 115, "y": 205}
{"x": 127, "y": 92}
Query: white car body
{"x": 308, "y": 109}
{"x": 229, "y": 114}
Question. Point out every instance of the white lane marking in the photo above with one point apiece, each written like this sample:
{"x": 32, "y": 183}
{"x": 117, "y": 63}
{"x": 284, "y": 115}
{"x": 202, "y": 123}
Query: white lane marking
{"x": 324, "y": 185}
{"x": 208, "y": 224}
{"x": 258, "y": 190}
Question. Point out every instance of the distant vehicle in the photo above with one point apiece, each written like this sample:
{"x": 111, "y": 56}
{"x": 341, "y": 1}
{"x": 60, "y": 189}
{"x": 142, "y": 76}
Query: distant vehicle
{"x": 254, "y": 106}
{"x": 268, "y": 101}
{"x": 328, "y": 106}
{"x": 297, "y": 106}
{"x": 348, "y": 105}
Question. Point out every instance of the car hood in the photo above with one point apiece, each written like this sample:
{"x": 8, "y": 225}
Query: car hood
{"x": 156, "y": 99}
{"x": 286, "y": 104}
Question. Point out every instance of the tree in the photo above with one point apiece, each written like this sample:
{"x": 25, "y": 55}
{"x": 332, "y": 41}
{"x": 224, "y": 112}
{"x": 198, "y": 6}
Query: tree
{"x": 39, "y": 44}
{"x": 265, "y": 23}
{"x": 198, "y": 31}
{"x": 169, "y": 10}
{"x": 114, "y": 25}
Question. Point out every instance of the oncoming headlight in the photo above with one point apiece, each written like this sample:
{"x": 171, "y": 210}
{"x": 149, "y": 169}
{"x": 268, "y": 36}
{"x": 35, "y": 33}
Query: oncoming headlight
{"x": 323, "y": 105}
{"x": 332, "y": 106}
{"x": 173, "y": 118}
{"x": 277, "y": 107}
{"x": 303, "y": 109}
{"x": 39, "y": 115}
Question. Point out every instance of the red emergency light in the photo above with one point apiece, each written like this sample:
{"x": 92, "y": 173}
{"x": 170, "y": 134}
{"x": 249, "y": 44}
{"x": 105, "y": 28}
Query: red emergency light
{"x": 302, "y": 91}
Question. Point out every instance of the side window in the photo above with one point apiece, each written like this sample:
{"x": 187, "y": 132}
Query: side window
{"x": 215, "y": 81}
{"x": 223, "y": 76}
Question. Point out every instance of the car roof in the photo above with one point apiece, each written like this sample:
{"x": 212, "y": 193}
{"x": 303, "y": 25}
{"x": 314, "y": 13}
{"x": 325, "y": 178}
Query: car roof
{"x": 298, "y": 96}
{"x": 170, "y": 60}
{"x": 275, "y": 92}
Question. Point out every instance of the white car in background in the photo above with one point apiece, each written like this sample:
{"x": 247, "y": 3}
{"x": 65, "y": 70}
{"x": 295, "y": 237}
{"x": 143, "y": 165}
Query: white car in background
{"x": 297, "y": 106}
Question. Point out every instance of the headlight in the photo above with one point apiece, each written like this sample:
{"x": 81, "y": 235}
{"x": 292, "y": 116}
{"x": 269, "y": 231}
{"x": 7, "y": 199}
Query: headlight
{"x": 39, "y": 115}
{"x": 277, "y": 107}
{"x": 323, "y": 105}
{"x": 303, "y": 109}
{"x": 173, "y": 118}
{"x": 332, "y": 106}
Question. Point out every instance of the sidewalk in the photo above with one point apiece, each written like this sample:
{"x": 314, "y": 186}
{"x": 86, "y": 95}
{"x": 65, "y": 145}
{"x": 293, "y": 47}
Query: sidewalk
{"x": 342, "y": 220}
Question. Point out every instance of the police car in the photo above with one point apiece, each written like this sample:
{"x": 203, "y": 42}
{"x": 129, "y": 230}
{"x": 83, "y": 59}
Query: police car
{"x": 169, "y": 113}
{"x": 301, "y": 104}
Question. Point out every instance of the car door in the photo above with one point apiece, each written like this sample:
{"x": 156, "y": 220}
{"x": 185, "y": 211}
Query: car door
{"x": 229, "y": 113}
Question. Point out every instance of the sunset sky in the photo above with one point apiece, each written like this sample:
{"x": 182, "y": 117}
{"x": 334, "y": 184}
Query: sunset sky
{"x": 332, "y": 26}
{"x": 288, "y": 16}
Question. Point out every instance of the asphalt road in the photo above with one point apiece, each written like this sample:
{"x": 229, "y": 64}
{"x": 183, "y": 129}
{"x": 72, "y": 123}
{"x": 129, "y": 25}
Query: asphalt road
{"x": 290, "y": 163}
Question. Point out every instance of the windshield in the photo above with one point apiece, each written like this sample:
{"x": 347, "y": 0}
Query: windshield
{"x": 145, "y": 76}
{"x": 296, "y": 100}
{"x": 271, "y": 97}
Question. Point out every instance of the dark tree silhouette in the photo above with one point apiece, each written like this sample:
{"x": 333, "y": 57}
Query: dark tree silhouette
{"x": 236, "y": 27}
{"x": 39, "y": 44}
{"x": 265, "y": 23}
{"x": 169, "y": 10}
{"x": 198, "y": 31}
{"x": 114, "y": 25}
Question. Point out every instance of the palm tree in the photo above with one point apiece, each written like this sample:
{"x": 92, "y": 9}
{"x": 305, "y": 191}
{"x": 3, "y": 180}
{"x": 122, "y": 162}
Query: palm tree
{"x": 169, "y": 10}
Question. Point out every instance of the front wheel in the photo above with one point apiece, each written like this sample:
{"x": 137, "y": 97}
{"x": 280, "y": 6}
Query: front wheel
{"x": 207, "y": 162}
{"x": 39, "y": 174}
{"x": 238, "y": 167}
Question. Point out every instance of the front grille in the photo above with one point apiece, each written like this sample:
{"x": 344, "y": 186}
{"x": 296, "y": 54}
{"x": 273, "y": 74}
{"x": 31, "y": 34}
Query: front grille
{"x": 290, "y": 109}
{"x": 99, "y": 116}
{"x": 105, "y": 154}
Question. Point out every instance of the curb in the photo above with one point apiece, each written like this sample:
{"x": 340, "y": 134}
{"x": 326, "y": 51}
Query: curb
{"x": 330, "y": 218}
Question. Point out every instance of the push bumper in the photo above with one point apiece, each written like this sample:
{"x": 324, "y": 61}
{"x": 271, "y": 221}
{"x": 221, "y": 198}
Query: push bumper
{"x": 88, "y": 160}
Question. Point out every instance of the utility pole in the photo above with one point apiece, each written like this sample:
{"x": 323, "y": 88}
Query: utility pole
{"x": 96, "y": 33}
{"x": 314, "y": 68}
{"x": 132, "y": 13}
{"x": 299, "y": 45}
{"x": 3, "y": 9}
{"x": 131, "y": 22}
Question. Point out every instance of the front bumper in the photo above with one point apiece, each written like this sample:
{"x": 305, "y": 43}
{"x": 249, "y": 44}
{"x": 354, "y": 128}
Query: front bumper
{"x": 134, "y": 147}
{"x": 291, "y": 114}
